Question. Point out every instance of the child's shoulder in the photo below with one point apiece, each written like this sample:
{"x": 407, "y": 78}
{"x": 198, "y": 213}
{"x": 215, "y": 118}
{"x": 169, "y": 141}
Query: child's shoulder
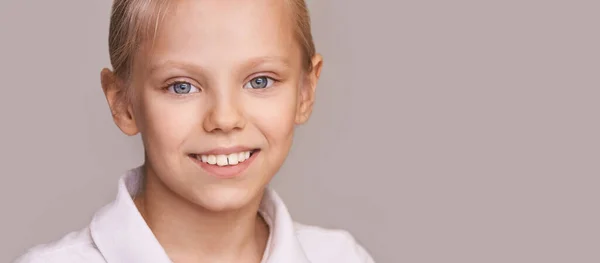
{"x": 336, "y": 245}
{"x": 76, "y": 246}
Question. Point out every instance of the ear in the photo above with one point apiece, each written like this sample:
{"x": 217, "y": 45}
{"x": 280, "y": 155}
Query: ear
{"x": 121, "y": 111}
{"x": 308, "y": 91}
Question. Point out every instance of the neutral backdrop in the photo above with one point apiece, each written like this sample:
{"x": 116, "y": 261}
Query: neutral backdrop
{"x": 444, "y": 131}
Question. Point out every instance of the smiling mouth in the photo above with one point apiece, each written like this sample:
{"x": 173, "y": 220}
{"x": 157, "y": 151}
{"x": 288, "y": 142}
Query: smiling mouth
{"x": 231, "y": 159}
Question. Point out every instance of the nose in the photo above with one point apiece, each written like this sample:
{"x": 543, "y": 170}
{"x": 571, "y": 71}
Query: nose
{"x": 225, "y": 114}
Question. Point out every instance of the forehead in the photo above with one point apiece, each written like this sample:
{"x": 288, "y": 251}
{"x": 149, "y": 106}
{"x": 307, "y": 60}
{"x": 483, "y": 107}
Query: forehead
{"x": 224, "y": 31}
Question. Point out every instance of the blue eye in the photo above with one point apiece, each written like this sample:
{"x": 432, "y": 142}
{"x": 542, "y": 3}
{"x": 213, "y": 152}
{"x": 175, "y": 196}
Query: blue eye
{"x": 259, "y": 83}
{"x": 182, "y": 88}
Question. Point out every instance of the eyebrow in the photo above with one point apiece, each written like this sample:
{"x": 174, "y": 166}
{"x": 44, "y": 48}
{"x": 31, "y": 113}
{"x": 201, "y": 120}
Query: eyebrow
{"x": 255, "y": 62}
{"x": 251, "y": 63}
{"x": 174, "y": 64}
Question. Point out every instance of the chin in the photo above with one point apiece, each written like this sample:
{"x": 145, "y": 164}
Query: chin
{"x": 210, "y": 193}
{"x": 226, "y": 198}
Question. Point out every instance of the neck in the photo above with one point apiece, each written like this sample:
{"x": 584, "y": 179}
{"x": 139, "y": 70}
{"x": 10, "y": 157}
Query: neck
{"x": 191, "y": 233}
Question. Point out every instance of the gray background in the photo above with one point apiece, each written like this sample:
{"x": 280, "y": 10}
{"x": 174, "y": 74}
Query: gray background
{"x": 445, "y": 131}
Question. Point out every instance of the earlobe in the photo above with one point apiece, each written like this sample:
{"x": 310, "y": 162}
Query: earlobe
{"x": 308, "y": 91}
{"x": 120, "y": 110}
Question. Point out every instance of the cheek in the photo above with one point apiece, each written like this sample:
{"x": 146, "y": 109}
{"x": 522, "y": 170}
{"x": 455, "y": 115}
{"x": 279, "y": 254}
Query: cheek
{"x": 274, "y": 116}
{"x": 166, "y": 122}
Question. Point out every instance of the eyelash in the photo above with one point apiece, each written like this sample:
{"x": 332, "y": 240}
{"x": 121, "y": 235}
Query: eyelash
{"x": 173, "y": 83}
{"x": 269, "y": 78}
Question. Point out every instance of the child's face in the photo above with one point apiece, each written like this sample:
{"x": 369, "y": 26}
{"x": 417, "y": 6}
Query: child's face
{"x": 223, "y": 77}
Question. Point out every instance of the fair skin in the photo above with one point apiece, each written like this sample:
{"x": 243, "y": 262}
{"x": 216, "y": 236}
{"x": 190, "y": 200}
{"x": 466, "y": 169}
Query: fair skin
{"x": 220, "y": 77}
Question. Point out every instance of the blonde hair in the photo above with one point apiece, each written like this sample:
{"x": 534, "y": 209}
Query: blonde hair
{"x": 134, "y": 21}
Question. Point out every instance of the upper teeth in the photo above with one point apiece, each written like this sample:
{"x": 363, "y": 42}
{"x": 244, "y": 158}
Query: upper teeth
{"x": 225, "y": 159}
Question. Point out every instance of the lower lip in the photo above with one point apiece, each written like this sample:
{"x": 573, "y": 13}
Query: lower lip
{"x": 227, "y": 171}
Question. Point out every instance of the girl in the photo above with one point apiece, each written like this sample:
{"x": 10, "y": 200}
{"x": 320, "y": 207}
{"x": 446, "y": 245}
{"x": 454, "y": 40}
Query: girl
{"x": 215, "y": 88}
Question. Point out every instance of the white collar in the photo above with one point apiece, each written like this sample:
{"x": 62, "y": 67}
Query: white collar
{"x": 122, "y": 235}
